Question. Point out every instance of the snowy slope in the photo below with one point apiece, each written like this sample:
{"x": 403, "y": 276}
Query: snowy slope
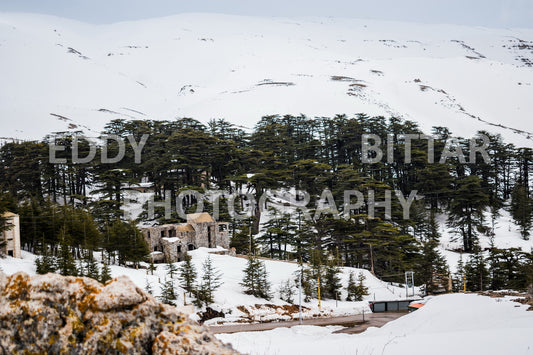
{"x": 448, "y": 324}
{"x": 506, "y": 235}
{"x": 230, "y": 294}
{"x": 60, "y": 74}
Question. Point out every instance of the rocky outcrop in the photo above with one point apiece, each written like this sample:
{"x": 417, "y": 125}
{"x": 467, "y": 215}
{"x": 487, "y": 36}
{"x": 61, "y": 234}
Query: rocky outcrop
{"x": 76, "y": 315}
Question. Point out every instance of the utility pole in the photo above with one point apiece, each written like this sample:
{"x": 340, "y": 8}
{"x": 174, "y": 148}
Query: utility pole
{"x": 406, "y": 287}
{"x": 300, "y": 298}
{"x": 319, "y": 304}
{"x": 409, "y": 281}
{"x": 250, "y": 227}
{"x": 371, "y": 261}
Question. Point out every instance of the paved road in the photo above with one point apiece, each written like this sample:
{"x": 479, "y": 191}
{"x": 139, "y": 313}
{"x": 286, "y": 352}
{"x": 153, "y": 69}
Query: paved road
{"x": 354, "y": 324}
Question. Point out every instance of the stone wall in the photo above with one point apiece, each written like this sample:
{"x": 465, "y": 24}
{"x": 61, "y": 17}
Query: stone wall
{"x": 175, "y": 239}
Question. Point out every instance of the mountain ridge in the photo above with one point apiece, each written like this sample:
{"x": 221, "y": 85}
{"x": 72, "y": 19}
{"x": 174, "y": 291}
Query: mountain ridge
{"x": 219, "y": 66}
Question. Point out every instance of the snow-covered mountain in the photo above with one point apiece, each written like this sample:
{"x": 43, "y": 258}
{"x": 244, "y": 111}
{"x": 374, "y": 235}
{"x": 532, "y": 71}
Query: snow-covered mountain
{"x": 59, "y": 74}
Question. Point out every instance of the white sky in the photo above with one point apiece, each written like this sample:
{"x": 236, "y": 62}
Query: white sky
{"x": 488, "y": 13}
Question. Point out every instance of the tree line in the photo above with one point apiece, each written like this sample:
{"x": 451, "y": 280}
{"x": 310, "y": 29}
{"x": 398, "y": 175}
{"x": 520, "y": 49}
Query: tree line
{"x": 83, "y": 201}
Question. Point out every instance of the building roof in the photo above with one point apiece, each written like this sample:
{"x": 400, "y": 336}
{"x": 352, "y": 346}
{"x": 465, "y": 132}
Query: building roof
{"x": 171, "y": 240}
{"x": 416, "y": 305}
{"x": 184, "y": 227}
{"x": 199, "y": 217}
{"x": 9, "y": 214}
{"x": 180, "y": 227}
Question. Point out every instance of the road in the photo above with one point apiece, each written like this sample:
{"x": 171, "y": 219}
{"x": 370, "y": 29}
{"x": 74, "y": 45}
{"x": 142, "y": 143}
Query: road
{"x": 353, "y": 324}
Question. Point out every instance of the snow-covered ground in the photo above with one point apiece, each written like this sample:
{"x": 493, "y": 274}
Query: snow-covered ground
{"x": 447, "y": 324}
{"x": 59, "y": 74}
{"x": 230, "y": 295}
{"x": 506, "y": 235}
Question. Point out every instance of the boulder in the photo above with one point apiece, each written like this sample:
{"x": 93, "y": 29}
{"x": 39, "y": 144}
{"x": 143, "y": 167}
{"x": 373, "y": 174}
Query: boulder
{"x": 78, "y": 315}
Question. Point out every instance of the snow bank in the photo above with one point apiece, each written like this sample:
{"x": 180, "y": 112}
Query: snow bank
{"x": 448, "y": 324}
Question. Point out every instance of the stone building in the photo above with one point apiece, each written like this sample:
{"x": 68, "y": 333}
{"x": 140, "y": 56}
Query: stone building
{"x": 11, "y": 234}
{"x": 169, "y": 242}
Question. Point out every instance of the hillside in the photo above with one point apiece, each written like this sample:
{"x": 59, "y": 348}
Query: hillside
{"x": 59, "y": 74}
{"x": 230, "y": 295}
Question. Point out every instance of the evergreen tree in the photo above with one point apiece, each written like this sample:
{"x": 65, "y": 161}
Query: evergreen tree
{"x": 432, "y": 269}
{"x": 312, "y": 274}
{"x": 332, "y": 280}
{"x": 46, "y": 262}
{"x": 308, "y": 283}
{"x": 476, "y": 273}
{"x": 91, "y": 266}
{"x": 361, "y": 288}
{"x": 187, "y": 274}
{"x": 522, "y": 208}
{"x": 255, "y": 281}
{"x": 352, "y": 288}
{"x": 459, "y": 277}
{"x": 286, "y": 291}
{"x": 168, "y": 294}
{"x": 242, "y": 239}
{"x": 172, "y": 270}
{"x": 211, "y": 281}
{"x": 356, "y": 291}
{"x": 201, "y": 294}
{"x": 279, "y": 233}
{"x": 148, "y": 287}
{"x": 466, "y": 209}
{"x": 66, "y": 264}
{"x": 506, "y": 266}
{"x": 105, "y": 274}
{"x": 151, "y": 267}
{"x": 126, "y": 239}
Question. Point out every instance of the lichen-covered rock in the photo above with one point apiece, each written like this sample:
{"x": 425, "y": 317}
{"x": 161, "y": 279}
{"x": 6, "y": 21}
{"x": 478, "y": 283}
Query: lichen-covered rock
{"x": 77, "y": 315}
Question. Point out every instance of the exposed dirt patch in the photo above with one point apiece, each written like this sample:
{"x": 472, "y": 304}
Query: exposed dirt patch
{"x": 342, "y": 78}
{"x": 528, "y": 300}
{"x": 500, "y": 294}
{"x": 275, "y": 83}
{"x": 262, "y": 312}
{"x": 525, "y": 299}
{"x": 209, "y": 313}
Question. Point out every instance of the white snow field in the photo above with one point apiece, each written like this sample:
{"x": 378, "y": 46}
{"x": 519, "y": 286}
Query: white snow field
{"x": 59, "y": 74}
{"x": 447, "y": 324}
{"x": 230, "y": 295}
